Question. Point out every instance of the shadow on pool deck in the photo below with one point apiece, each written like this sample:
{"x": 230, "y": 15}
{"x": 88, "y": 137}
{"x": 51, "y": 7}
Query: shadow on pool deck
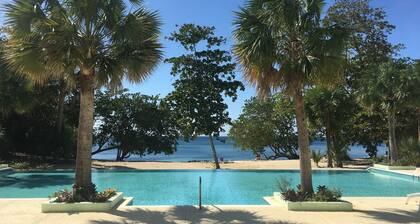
{"x": 393, "y": 215}
{"x": 187, "y": 214}
{"x": 223, "y": 215}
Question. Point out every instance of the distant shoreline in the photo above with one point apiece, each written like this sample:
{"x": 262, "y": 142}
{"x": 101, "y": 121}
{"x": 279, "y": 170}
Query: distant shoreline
{"x": 240, "y": 165}
{"x": 199, "y": 150}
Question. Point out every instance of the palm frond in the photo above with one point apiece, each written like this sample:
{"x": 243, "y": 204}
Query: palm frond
{"x": 52, "y": 39}
{"x": 287, "y": 37}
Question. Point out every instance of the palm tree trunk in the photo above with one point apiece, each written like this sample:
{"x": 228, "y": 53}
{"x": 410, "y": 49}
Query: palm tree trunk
{"x": 329, "y": 143}
{"x": 84, "y": 137}
{"x": 60, "y": 116}
{"x": 214, "y": 153}
{"x": 303, "y": 142}
{"x": 391, "y": 135}
{"x": 60, "y": 109}
{"x": 418, "y": 125}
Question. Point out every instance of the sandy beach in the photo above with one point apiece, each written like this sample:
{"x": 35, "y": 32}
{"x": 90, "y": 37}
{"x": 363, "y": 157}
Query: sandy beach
{"x": 260, "y": 164}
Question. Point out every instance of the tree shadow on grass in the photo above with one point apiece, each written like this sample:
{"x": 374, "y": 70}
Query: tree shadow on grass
{"x": 36, "y": 180}
{"x": 393, "y": 215}
{"x": 187, "y": 214}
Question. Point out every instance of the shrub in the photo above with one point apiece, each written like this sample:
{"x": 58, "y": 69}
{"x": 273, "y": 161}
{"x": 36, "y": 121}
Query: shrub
{"x": 316, "y": 157}
{"x": 322, "y": 193}
{"x": 325, "y": 194}
{"x": 63, "y": 196}
{"x": 89, "y": 194}
{"x": 105, "y": 195}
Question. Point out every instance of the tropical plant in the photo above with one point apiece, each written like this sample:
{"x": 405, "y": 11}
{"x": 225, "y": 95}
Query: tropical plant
{"x": 409, "y": 152}
{"x": 133, "y": 123}
{"x": 283, "y": 45}
{"x": 369, "y": 129}
{"x": 206, "y": 76}
{"x": 367, "y": 44}
{"x": 331, "y": 112}
{"x": 317, "y": 157}
{"x": 322, "y": 192}
{"x": 266, "y": 127}
{"x": 96, "y": 43}
{"x": 413, "y": 99}
{"x": 26, "y": 110}
{"x": 68, "y": 196}
{"x": 388, "y": 87}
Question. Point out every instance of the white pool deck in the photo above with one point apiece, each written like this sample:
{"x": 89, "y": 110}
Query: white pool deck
{"x": 367, "y": 210}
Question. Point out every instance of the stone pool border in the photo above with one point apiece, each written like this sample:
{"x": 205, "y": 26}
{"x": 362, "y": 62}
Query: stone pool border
{"x": 389, "y": 167}
{"x": 52, "y": 206}
{"x": 394, "y": 173}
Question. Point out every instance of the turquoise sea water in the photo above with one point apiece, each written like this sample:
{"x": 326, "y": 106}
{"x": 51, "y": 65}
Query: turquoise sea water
{"x": 199, "y": 149}
{"x": 180, "y": 187}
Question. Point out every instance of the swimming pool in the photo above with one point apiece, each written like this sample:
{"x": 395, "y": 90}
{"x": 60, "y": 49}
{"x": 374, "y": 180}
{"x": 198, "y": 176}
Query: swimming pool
{"x": 180, "y": 187}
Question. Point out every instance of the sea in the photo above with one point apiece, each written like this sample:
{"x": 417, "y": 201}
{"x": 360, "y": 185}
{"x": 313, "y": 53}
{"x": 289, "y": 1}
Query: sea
{"x": 199, "y": 150}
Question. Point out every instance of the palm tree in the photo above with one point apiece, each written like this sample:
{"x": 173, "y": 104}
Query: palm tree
{"x": 99, "y": 43}
{"x": 282, "y": 44}
{"x": 390, "y": 87}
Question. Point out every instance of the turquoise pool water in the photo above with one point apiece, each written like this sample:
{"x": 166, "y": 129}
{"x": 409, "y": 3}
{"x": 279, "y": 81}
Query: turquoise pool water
{"x": 179, "y": 187}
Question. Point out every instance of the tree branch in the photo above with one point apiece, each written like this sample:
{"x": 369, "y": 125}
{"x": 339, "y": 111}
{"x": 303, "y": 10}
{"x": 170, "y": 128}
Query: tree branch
{"x": 105, "y": 149}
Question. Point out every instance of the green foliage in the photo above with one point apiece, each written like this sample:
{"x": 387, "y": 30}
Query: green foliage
{"x": 317, "y": 156}
{"x": 63, "y": 196}
{"x": 284, "y": 184}
{"x": 106, "y": 194}
{"x": 322, "y": 193}
{"x": 205, "y": 76}
{"x": 388, "y": 85}
{"x": 283, "y": 44}
{"x": 33, "y": 131}
{"x": 267, "y": 125}
{"x": 54, "y": 39}
{"x": 89, "y": 43}
{"x": 295, "y": 195}
{"x": 368, "y": 44}
{"x": 391, "y": 86}
{"x": 409, "y": 152}
{"x": 133, "y": 124}
{"x": 68, "y": 196}
{"x": 331, "y": 112}
{"x": 369, "y": 129}
{"x": 28, "y": 117}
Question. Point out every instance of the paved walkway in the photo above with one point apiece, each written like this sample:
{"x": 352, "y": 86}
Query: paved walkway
{"x": 367, "y": 210}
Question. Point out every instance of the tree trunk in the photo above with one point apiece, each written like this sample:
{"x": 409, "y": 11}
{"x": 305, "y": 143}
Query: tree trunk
{"x": 60, "y": 109}
{"x": 84, "y": 137}
{"x": 303, "y": 142}
{"x": 60, "y": 116}
{"x": 118, "y": 158}
{"x": 391, "y": 136}
{"x": 418, "y": 125}
{"x": 329, "y": 145}
{"x": 213, "y": 151}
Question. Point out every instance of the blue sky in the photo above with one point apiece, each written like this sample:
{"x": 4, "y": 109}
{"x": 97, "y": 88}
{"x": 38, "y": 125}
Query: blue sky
{"x": 404, "y": 14}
